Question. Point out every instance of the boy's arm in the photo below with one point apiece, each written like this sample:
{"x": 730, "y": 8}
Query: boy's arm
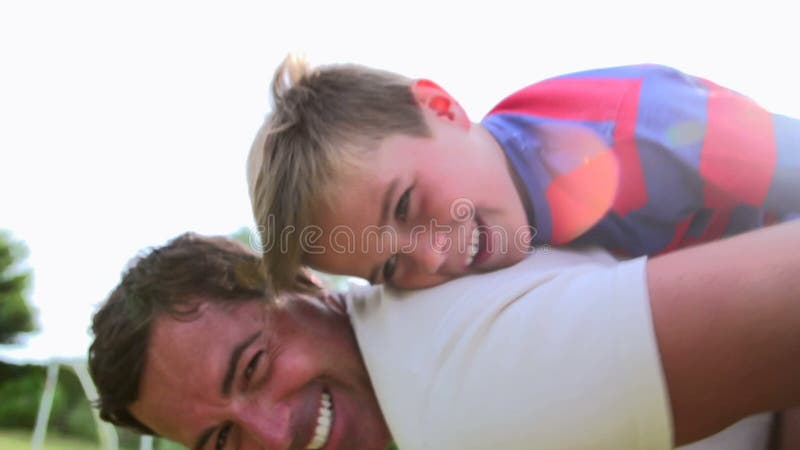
{"x": 727, "y": 322}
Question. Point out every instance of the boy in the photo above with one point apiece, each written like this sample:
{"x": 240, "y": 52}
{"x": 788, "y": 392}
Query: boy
{"x": 370, "y": 174}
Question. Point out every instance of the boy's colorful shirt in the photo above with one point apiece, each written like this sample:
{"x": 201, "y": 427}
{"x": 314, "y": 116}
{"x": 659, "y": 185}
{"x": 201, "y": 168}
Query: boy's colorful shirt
{"x": 645, "y": 159}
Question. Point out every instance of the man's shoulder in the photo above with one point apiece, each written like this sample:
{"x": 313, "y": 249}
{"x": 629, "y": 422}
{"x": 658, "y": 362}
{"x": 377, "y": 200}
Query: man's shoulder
{"x": 540, "y": 266}
{"x": 493, "y": 350}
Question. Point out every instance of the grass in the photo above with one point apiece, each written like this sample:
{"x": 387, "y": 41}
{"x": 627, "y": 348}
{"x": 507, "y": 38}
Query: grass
{"x": 18, "y": 439}
{"x": 21, "y": 440}
{"x": 12, "y": 439}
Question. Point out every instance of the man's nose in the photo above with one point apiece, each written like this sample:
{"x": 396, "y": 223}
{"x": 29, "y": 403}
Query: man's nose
{"x": 266, "y": 427}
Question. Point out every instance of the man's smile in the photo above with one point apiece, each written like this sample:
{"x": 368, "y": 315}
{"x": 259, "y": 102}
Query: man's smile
{"x": 324, "y": 423}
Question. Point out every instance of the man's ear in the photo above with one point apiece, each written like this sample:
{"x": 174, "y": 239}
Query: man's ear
{"x": 436, "y": 101}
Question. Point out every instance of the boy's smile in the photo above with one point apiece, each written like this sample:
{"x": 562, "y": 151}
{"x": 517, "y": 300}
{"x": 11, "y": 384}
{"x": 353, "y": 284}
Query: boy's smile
{"x": 417, "y": 212}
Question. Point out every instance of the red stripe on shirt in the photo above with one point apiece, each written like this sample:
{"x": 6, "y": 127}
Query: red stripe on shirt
{"x": 739, "y": 154}
{"x": 632, "y": 191}
{"x": 590, "y": 99}
{"x": 716, "y": 226}
{"x": 677, "y": 238}
{"x": 715, "y": 229}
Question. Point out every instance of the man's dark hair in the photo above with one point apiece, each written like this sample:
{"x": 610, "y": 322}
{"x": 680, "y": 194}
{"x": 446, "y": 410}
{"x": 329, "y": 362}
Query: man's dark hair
{"x": 174, "y": 279}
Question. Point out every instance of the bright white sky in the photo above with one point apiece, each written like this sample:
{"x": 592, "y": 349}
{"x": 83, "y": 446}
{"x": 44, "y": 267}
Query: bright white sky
{"x": 125, "y": 124}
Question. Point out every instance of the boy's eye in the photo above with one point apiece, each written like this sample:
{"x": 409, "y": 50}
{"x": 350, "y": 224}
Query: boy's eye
{"x": 401, "y": 212}
{"x": 388, "y": 268}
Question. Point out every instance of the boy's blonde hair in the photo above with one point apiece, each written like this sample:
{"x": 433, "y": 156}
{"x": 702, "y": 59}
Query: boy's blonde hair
{"x": 321, "y": 121}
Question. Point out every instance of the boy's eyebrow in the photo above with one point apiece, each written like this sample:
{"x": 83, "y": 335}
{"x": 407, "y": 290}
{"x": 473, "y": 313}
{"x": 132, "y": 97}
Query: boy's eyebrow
{"x": 387, "y": 200}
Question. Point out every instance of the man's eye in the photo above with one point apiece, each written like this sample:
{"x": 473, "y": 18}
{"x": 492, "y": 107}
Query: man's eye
{"x": 253, "y": 365}
{"x": 401, "y": 212}
{"x": 222, "y": 437}
{"x": 388, "y": 268}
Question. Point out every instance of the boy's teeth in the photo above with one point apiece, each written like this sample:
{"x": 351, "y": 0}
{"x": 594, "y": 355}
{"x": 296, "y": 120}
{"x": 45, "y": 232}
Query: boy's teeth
{"x": 473, "y": 246}
{"x": 324, "y": 420}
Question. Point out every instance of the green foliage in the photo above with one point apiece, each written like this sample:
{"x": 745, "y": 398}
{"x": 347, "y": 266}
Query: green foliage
{"x": 165, "y": 444}
{"x": 128, "y": 438}
{"x": 78, "y": 421}
{"x": 17, "y": 439}
{"x": 71, "y": 422}
{"x": 248, "y": 237}
{"x": 15, "y": 314}
{"x": 21, "y": 390}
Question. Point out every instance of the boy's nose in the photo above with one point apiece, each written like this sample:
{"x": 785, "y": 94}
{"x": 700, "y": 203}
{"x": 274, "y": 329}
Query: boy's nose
{"x": 430, "y": 255}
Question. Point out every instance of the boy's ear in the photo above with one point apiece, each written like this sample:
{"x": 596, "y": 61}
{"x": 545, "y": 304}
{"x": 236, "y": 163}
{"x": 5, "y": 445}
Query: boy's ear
{"x": 435, "y": 100}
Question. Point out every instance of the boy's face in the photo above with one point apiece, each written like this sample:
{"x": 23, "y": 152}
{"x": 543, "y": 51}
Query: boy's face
{"x": 420, "y": 211}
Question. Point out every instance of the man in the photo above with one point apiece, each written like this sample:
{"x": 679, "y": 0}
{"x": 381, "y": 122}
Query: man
{"x": 189, "y": 347}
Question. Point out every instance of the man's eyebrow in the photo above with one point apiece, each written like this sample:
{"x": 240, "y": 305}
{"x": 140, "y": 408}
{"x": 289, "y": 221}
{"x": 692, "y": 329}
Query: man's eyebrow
{"x": 227, "y": 382}
{"x": 387, "y": 202}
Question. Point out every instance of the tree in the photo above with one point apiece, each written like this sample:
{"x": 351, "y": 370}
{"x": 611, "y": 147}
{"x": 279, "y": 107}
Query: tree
{"x": 16, "y": 315}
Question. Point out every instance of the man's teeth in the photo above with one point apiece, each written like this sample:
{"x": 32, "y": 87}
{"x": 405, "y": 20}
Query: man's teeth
{"x": 473, "y": 245}
{"x": 324, "y": 420}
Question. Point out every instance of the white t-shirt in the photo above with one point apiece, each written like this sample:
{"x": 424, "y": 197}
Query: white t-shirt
{"x": 556, "y": 352}
{"x": 752, "y": 433}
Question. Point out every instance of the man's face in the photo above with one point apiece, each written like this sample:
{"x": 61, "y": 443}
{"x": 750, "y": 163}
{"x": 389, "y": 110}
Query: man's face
{"x": 259, "y": 377}
{"x": 421, "y": 211}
